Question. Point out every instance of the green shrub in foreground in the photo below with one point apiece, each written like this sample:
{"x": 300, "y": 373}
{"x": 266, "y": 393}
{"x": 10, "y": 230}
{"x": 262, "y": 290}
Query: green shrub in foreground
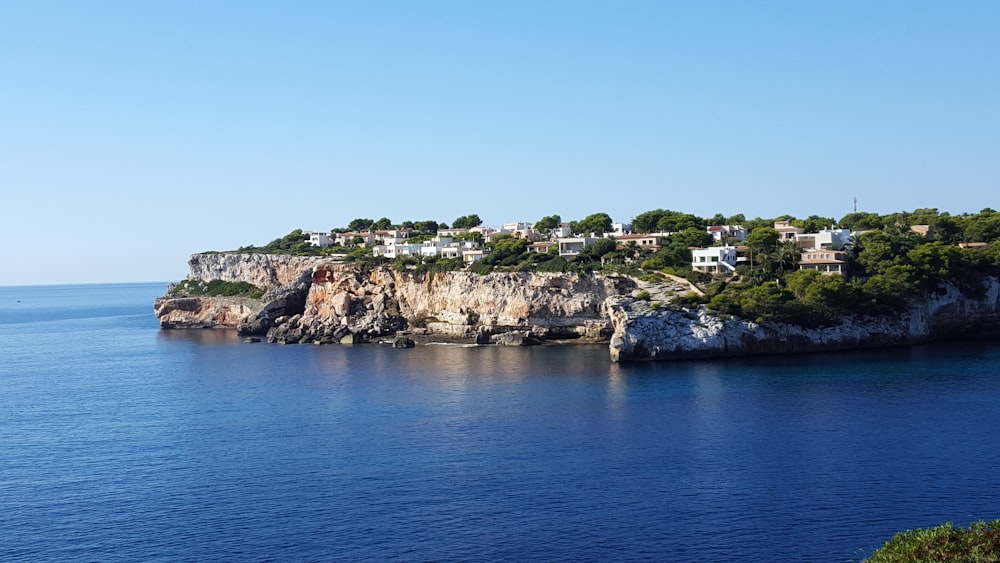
{"x": 980, "y": 543}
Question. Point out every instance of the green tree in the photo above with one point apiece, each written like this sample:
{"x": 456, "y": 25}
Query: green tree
{"x": 466, "y": 222}
{"x": 360, "y": 224}
{"x": 600, "y": 247}
{"x": 646, "y": 221}
{"x": 597, "y": 223}
{"x": 429, "y": 226}
{"x": 674, "y": 221}
{"x": 814, "y": 223}
{"x": 691, "y": 236}
{"x": 382, "y": 224}
{"x": 861, "y": 221}
{"x": 548, "y": 223}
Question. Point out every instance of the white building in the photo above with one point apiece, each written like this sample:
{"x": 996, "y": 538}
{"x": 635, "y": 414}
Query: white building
{"x": 396, "y": 250}
{"x": 714, "y": 259}
{"x": 826, "y": 261}
{"x": 571, "y": 246}
{"x": 722, "y": 233}
{"x": 319, "y": 239}
{"x": 619, "y": 229}
{"x": 830, "y": 239}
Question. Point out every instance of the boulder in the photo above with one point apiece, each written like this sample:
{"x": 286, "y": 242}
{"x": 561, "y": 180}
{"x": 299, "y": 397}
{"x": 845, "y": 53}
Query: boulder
{"x": 282, "y": 301}
{"x": 403, "y": 342}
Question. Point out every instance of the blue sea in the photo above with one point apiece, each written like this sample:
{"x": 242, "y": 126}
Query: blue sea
{"x": 122, "y": 442}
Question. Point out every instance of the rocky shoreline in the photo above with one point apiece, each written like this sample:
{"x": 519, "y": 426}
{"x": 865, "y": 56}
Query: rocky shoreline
{"x": 316, "y": 301}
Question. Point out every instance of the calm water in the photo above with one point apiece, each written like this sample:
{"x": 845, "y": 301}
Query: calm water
{"x": 119, "y": 441}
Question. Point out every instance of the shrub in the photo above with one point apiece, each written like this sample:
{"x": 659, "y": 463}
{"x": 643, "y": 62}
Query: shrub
{"x": 979, "y": 543}
{"x": 216, "y": 288}
{"x": 642, "y": 295}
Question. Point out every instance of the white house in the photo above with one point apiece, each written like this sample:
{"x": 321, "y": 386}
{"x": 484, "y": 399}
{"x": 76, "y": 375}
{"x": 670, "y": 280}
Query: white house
{"x": 571, "y": 246}
{"x": 619, "y": 229}
{"x": 651, "y": 242}
{"x": 831, "y": 239}
{"x": 470, "y": 256}
{"x": 826, "y": 261}
{"x": 452, "y": 232}
{"x": 714, "y": 259}
{"x": 562, "y": 231}
{"x": 319, "y": 239}
{"x": 722, "y": 233}
{"x": 786, "y": 231}
{"x": 446, "y": 247}
{"x": 348, "y": 238}
{"x": 396, "y": 250}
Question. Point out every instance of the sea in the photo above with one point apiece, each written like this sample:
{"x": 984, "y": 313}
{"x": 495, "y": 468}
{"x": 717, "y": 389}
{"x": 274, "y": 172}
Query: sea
{"x": 120, "y": 441}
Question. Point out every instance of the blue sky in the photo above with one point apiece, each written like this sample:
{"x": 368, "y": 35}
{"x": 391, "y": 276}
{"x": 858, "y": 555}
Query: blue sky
{"x": 133, "y": 134}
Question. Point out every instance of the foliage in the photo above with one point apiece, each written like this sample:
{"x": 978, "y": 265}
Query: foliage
{"x": 642, "y": 295}
{"x": 597, "y": 223}
{"x": 666, "y": 221}
{"x": 814, "y": 223}
{"x": 217, "y": 288}
{"x": 979, "y": 543}
{"x": 548, "y": 222}
{"x": 466, "y": 222}
{"x": 360, "y": 224}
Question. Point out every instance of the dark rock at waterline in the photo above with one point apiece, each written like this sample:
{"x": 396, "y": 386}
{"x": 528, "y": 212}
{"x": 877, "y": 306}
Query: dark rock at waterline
{"x": 283, "y": 301}
{"x": 403, "y": 342}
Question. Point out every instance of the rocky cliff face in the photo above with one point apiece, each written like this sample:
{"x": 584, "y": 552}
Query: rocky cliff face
{"x": 346, "y": 301}
{"x": 312, "y": 300}
{"x": 642, "y": 333}
{"x": 262, "y": 270}
{"x": 204, "y": 312}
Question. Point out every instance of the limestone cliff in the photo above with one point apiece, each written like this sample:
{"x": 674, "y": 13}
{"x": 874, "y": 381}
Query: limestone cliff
{"x": 203, "y": 312}
{"x": 344, "y": 300}
{"x": 265, "y": 271}
{"x": 643, "y": 333}
{"x": 314, "y": 300}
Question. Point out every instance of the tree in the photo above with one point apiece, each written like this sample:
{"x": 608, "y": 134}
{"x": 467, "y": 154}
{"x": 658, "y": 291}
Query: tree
{"x": 429, "y": 226}
{"x": 691, "y": 237}
{"x": 548, "y": 223}
{"x": 600, "y": 247}
{"x": 862, "y": 221}
{"x": 814, "y": 223}
{"x": 646, "y": 222}
{"x": 466, "y": 222}
{"x": 787, "y": 255}
{"x": 674, "y": 221}
{"x": 763, "y": 241}
{"x": 598, "y": 223}
{"x": 382, "y": 224}
{"x": 360, "y": 224}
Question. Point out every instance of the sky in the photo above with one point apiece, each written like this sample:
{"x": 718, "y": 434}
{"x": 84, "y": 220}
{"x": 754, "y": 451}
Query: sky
{"x": 133, "y": 134}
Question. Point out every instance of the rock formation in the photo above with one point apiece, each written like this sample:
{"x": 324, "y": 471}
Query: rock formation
{"x": 645, "y": 334}
{"x": 313, "y": 300}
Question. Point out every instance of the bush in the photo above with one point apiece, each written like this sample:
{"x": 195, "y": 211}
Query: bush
{"x": 217, "y": 288}
{"x": 642, "y": 295}
{"x": 979, "y": 543}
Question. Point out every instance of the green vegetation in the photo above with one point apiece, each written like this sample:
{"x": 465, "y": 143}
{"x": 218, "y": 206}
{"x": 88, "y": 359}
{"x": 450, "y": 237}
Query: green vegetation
{"x": 216, "y": 288}
{"x": 979, "y": 543}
